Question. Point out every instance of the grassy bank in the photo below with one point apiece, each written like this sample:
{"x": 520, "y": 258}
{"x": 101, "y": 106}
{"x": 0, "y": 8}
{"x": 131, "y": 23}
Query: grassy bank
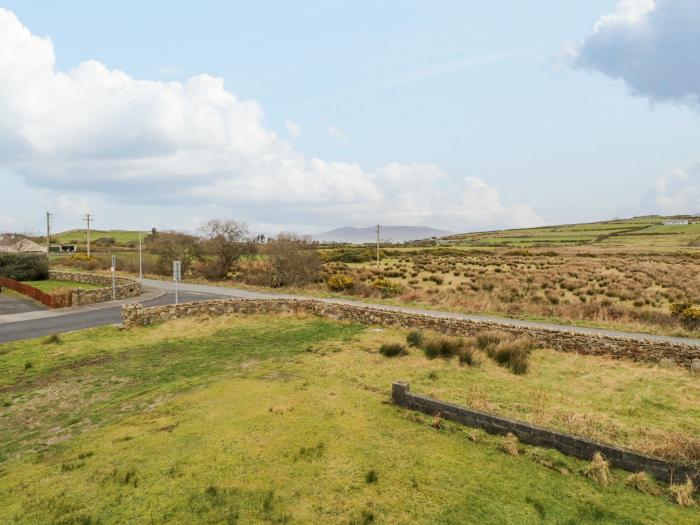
{"x": 51, "y": 285}
{"x": 286, "y": 420}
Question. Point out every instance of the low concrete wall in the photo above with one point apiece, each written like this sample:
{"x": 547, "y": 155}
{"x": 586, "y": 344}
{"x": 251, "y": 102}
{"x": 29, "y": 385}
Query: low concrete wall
{"x": 578, "y": 447}
{"x": 647, "y": 350}
{"x": 124, "y": 287}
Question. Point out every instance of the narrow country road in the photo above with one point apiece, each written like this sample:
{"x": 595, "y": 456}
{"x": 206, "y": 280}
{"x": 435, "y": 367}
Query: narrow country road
{"x": 38, "y": 324}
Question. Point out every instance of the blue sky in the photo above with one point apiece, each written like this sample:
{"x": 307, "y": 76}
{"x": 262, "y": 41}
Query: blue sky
{"x": 455, "y": 114}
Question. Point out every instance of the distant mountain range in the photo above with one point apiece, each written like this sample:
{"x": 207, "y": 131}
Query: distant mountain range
{"x": 386, "y": 234}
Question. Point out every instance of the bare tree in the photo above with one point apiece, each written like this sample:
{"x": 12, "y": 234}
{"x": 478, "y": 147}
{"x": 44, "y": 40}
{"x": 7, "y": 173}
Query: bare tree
{"x": 175, "y": 246}
{"x": 294, "y": 260}
{"x": 227, "y": 241}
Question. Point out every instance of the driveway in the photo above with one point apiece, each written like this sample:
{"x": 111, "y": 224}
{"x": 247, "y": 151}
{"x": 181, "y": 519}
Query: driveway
{"x": 14, "y": 303}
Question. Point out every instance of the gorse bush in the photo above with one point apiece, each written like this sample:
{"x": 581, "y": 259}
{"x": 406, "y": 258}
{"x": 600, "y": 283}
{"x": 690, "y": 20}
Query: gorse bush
{"x": 387, "y": 288}
{"x": 340, "y": 283}
{"x": 24, "y": 266}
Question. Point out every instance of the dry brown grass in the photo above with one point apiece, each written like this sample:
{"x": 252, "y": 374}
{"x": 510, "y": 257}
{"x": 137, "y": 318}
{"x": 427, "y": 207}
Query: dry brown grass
{"x": 683, "y": 492}
{"x": 599, "y": 470}
{"x": 633, "y": 289}
{"x": 643, "y": 483}
{"x": 509, "y": 445}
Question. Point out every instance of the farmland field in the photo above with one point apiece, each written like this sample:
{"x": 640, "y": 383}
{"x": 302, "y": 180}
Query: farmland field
{"x": 285, "y": 419}
{"x": 649, "y": 232}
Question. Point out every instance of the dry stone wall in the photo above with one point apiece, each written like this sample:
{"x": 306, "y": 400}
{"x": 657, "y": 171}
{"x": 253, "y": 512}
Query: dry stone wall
{"x": 576, "y": 446}
{"x": 124, "y": 289}
{"x": 647, "y": 350}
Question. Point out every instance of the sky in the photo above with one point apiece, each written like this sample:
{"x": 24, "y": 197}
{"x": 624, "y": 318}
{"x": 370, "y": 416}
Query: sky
{"x": 309, "y": 115}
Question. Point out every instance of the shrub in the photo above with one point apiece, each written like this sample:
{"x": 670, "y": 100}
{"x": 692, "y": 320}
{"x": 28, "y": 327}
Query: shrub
{"x": 436, "y": 279}
{"x": 414, "y": 338}
{"x": 392, "y": 350}
{"x": 387, "y": 288}
{"x": 340, "y": 283}
{"x": 688, "y": 314}
{"x": 294, "y": 260}
{"x": 24, "y": 266}
{"x": 599, "y": 470}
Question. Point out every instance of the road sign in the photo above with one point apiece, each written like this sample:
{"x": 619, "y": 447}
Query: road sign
{"x": 177, "y": 275}
{"x": 114, "y": 281}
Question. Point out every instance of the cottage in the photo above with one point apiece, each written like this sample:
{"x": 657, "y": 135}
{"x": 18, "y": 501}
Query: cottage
{"x": 19, "y": 244}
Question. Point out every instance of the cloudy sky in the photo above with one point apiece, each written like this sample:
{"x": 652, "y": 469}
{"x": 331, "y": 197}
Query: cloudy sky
{"x": 307, "y": 115}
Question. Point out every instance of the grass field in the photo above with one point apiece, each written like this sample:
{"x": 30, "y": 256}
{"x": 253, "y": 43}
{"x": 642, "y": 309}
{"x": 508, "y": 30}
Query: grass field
{"x": 286, "y": 420}
{"x": 647, "y": 232}
{"x": 121, "y": 237}
{"x": 52, "y": 285}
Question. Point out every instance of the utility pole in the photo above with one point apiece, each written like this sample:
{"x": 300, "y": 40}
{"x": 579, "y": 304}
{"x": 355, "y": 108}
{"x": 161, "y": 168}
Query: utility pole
{"x": 140, "y": 260}
{"x": 48, "y": 236}
{"x": 88, "y": 218}
{"x": 377, "y": 245}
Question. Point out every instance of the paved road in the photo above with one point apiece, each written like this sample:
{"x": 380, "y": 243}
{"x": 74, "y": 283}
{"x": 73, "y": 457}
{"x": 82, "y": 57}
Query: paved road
{"x": 54, "y": 321}
{"x": 237, "y": 292}
{"x": 45, "y": 323}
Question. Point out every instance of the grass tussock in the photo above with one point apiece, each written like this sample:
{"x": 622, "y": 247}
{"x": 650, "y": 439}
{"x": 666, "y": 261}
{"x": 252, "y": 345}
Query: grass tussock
{"x": 509, "y": 444}
{"x": 414, "y": 338}
{"x": 641, "y": 482}
{"x": 53, "y": 339}
{"x": 683, "y": 493}
{"x": 599, "y": 470}
{"x": 393, "y": 350}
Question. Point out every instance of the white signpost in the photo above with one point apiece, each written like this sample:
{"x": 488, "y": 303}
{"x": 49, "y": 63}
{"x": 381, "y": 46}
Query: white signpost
{"x": 177, "y": 275}
{"x": 114, "y": 284}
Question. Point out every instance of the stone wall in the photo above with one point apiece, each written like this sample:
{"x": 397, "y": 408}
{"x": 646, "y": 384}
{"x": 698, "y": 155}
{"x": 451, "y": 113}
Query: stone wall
{"x": 124, "y": 287}
{"x": 579, "y": 447}
{"x": 647, "y": 350}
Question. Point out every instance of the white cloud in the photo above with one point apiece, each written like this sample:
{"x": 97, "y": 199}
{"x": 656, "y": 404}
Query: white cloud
{"x": 335, "y": 132}
{"x": 293, "y": 128}
{"x": 652, "y": 45}
{"x": 194, "y": 144}
{"x": 677, "y": 192}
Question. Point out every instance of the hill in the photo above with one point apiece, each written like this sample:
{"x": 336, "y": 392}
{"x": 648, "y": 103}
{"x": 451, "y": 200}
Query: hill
{"x": 638, "y": 232}
{"x": 387, "y": 234}
{"x": 121, "y": 237}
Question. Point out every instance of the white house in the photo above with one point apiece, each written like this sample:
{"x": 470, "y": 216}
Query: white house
{"x": 19, "y": 244}
{"x": 676, "y": 222}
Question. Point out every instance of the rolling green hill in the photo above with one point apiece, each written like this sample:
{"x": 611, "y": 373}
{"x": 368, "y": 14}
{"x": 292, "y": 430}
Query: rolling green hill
{"x": 121, "y": 237}
{"x": 638, "y": 232}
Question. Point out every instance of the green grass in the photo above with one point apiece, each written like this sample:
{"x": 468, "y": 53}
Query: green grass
{"x": 49, "y": 285}
{"x": 637, "y": 232}
{"x": 286, "y": 420}
{"x": 121, "y": 237}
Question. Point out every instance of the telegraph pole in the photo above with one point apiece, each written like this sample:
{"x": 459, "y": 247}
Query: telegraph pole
{"x": 140, "y": 260}
{"x": 88, "y": 218}
{"x": 48, "y": 236}
{"x": 377, "y": 245}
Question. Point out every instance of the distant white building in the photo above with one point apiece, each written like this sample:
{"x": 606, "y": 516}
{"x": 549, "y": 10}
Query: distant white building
{"x": 19, "y": 244}
{"x": 676, "y": 222}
